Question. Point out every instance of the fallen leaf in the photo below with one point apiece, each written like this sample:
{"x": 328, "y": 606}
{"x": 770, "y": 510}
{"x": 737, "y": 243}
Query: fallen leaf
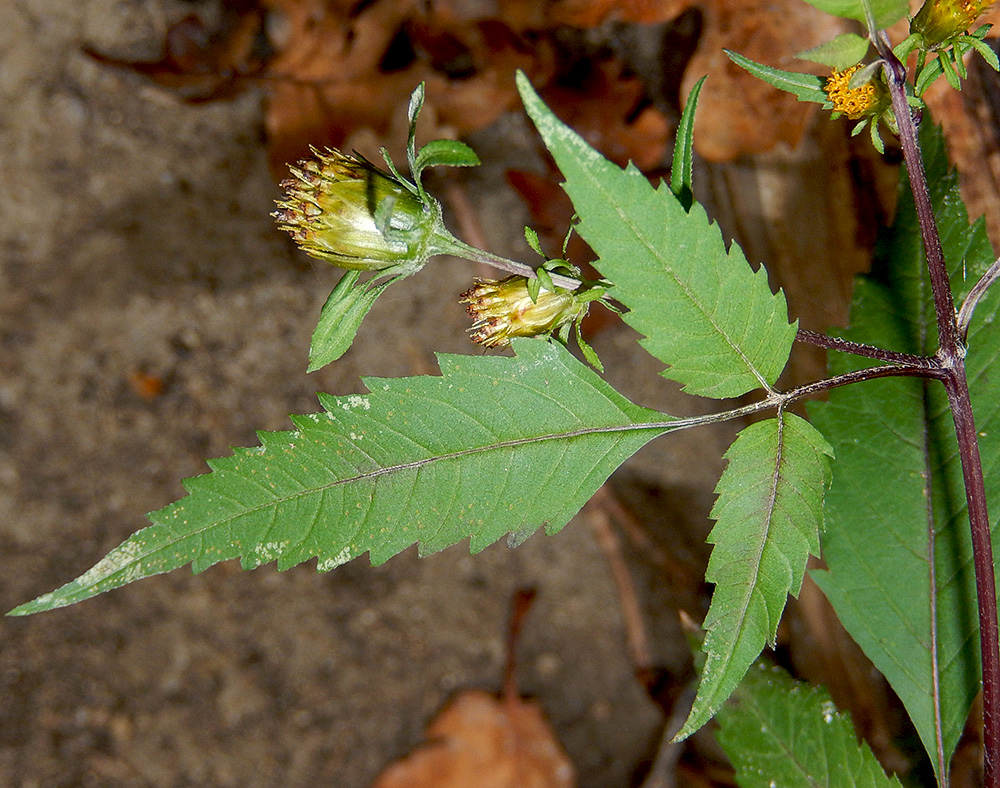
{"x": 739, "y": 114}
{"x": 481, "y": 741}
{"x": 338, "y": 71}
{"x": 612, "y": 112}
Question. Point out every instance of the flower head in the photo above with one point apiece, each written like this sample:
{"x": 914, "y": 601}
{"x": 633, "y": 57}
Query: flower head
{"x": 937, "y": 21}
{"x": 504, "y": 309}
{"x": 345, "y": 210}
{"x": 860, "y": 102}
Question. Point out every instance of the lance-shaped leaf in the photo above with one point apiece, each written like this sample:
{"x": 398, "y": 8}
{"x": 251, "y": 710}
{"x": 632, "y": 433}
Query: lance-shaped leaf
{"x": 494, "y": 445}
{"x": 701, "y": 309}
{"x": 341, "y": 317}
{"x": 897, "y": 542}
{"x": 805, "y": 87}
{"x": 768, "y": 517}
{"x": 682, "y": 168}
{"x": 777, "y": 731}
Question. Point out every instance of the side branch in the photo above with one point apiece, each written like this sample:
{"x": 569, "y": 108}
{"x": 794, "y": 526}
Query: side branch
{"x": 868, "y": 351}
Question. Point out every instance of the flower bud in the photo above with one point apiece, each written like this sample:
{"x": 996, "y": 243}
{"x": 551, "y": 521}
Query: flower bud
{"x": 939, "y": 20}
{"x": 504, "y": 309}
{"x": 856, "y": 103}
{"x": 345, "y": 210}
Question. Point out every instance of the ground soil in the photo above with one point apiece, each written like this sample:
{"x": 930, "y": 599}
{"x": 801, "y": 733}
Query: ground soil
{"x": 136, "y": 248}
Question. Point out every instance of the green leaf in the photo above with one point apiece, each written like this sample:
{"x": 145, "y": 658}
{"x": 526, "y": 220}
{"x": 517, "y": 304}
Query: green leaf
{"x": 450, "y": 153}
{"x": 341, "y": 317}
{"x": 702, "y": 310}
{"x": 886, "y": 12}
{"x": 805, "y": 87}
{"x": 841, "y": 53}
{"x": 768, "y": 517}
{"x": 495, "y": 445}
{"x": 780, "y": 732}
{"x": 896, "y": 450}
{"x": 984, "y": 50}
{"x": 682, "y": 170}
{"x": 412, "y": 113}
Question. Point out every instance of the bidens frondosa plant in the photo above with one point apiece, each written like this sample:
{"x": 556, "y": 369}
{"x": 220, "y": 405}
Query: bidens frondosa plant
{"x": 904, "y": 530}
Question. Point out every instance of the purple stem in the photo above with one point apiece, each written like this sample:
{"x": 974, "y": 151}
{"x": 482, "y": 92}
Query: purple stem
{"x": 868, "y": 351}
{"x": 951, "y": 356}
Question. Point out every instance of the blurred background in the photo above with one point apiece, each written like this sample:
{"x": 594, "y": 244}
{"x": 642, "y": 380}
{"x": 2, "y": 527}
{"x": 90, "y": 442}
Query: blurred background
{"x": 152, "y": 316}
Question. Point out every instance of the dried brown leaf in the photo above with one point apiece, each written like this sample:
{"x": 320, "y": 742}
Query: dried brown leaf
{"x": 737, "y": 113}
{"x": 480, "y": 741}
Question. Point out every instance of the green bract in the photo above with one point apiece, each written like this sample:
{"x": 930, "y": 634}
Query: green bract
{"x": 345, "y": 210}
{"x": 504, "y": 309}
{"x": 938, "y": 21}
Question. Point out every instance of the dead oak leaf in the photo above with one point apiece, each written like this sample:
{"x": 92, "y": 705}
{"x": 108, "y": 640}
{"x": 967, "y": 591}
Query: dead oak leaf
{"x": 546, "y": 14}
{"x": 480, "y": 741}
{"x": 737, "y": 113}
{"x": 337, "y": 72}
{"x": 611, "y": 111}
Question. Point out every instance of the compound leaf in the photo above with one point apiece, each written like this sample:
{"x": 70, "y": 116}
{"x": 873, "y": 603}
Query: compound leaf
{"x": 899, "y": 571}
{"x": 781, "y": 732}
{"x": 492, "y": 446}
{"x": 701, "y": 308}
{"x": 768, "y": 517}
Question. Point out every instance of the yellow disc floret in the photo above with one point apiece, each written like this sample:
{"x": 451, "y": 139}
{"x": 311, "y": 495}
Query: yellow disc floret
{"x": 857, "y": 102}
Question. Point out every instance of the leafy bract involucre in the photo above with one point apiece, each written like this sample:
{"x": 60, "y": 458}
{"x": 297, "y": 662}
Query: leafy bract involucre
{"x": 892, "y": 562}
{"x": 702, "y": 310}
{"x": 495, "y": 445}
{"x": 768, "y": 517}
{"x": 780, "y": 732}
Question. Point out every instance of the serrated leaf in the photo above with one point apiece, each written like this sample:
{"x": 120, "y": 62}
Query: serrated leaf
{"x": 805, "y": 87}
{"x": 495, "y": 445}
{"x": 341, "y": 317}
{"x": 780, "y": 732}
{"x": 841, "y": 53}
{"x": 895, "y": 446}
{"x": 768, "y": 517}
{"x": 886, "y": 12}
{"x": 701, "y": 309}
{"x": 450, "y": 153}
{"x": 682, "y": 168}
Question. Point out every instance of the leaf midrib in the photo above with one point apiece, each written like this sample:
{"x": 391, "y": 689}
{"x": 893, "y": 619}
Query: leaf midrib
{"x": 499, "y": 446}
{"x": 772, "y": 502}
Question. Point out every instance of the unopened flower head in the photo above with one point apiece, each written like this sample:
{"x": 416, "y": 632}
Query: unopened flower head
{"x": 860, "y": 102}
{"x": 504, "y": 309}
{"x": 345, "y": 210}
{"x": 937, "y": 21}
